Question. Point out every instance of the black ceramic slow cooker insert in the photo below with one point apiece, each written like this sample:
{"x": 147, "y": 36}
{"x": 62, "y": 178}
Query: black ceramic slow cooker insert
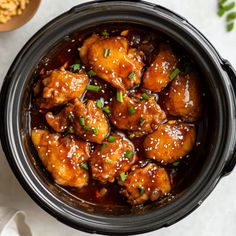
{"x": 216, "y": 153}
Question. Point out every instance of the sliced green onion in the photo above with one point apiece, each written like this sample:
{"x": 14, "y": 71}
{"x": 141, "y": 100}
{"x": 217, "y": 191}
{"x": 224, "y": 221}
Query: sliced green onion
{"x": 123, "y": 176}
{"x": 131, "y": 75}
{"x": 99, "y": 104}
{"x": 104, "y": 145}
{"x": 70, "y": 117}
{"x": 93, "y": 88}
{"x": 141, "y": 121}
{"x": 70, "y": 130}
{"x": 75, "y": 67}
{"x": 145, "y": 96}
{"x": 230, "y": 26}
{"x": 176, "y": 163}
{"x": 141, "y": 190}
{"x": 107, "y": 110}
{"x": 131, "y": 110}
{"x": 84, "y": 165}
{"x": 111, "y": 139}
{"x": 174, "y": 73}
{"x": 229, "y": 6}
{"x": 105, "y": 33}
{"x": 86, "y": 127}
{"x": 129, "y": 154}
{"x": 95, "y": 131}
{"x": 82, "y": 120}
{"x": 106, "y": 52}
{"x": 231, "y": 16}
{"x": 119, "y": 96}
{"x": 91, "y": 73}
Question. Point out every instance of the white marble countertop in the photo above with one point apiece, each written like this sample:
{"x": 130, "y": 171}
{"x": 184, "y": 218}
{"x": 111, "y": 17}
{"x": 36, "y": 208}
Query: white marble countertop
{"x": 217, "y": 214}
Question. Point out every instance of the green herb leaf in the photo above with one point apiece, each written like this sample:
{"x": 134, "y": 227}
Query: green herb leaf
{"x": 176, "y": 163}
{"x": 93, "y": 88}
{"x": 231, "y": 16}
{"x": 87, "y": 128}
{"x": 81, "y": 120}
{"x": 70, "y": 130}
{"x": 131, "y": 110}
{"x": 141, "y": 190}
{"x": 75, "y": 67}
{"x": 129, "y": 154}
{"x": 174, "y": 73}
{"x": 145, "y": 96}
{"x": 119, "y": 96}
{"x": 95, "y": 131}
{"x": 91, "y": 73}
{"x": 99, "y": 104}
{"x": 107, "y": 110}
{"x": 104, "y": 145}
{"x": 221, "y": 11}
{"x": 106, "y": 52}
{"x": 229, "y": 6}
{"x": 123, "y": 176}
{"x": 105, "y": 33}
{"x": 141, "y": 121}
{"x": 131, "y": 75}
{"x": 70, "y": 118}
{"x": 222, "y": 1}
{"x": 111, "y": 139}
{"x": 84, "y": 165}
{"x": 230, "y": 26}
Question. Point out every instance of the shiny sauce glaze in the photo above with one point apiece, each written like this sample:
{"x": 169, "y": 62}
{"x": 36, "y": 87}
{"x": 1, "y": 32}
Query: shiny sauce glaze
{"x": 67, "y": 54}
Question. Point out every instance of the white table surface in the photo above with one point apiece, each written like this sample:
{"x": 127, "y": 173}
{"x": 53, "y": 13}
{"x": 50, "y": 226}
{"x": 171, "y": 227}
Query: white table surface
{"x": 217, "y": 214}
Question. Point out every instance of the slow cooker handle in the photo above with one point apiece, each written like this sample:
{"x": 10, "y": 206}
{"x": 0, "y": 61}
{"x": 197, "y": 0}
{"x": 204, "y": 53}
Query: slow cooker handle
{"x": 232, "y": 75}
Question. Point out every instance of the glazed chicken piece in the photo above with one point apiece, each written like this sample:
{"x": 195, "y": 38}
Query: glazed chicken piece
{"x": 170, "y": 142}
{"x": 183, "y": 98}
{"x": 113, "y": 61}
{"x": 61, "y": 86}
{"x": 60, "y": 122}
{"x": 115, "y": 156}
{"x": 90, "y": 123}
{"x": 148, "y": 183}
{"x": 64, "y": 157}
{"x": 138, "y": 116}
{"x": 157, "y": 75}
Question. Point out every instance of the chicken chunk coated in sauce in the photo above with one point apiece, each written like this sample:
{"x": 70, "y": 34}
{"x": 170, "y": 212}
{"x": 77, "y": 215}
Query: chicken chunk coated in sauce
{"x": 170, "y": 142}
{"x": 61, "y": 86}
{"x": 115, "y": 156}
{"x": 147, "y": 183}
{"x": 183, "y": 98}
{"x": 64, "y": 157}
{"x": 157, "y": 76}
{"x": 137, "y": 115}
{"x": 113, "y": 60}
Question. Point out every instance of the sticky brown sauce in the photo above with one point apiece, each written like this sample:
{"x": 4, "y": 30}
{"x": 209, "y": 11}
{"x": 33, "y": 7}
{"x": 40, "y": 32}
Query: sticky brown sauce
{"x": 67, "y": 51}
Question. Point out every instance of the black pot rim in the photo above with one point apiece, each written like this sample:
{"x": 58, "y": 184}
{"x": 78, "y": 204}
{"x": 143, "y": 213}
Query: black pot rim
{"x": 23, "y": 169}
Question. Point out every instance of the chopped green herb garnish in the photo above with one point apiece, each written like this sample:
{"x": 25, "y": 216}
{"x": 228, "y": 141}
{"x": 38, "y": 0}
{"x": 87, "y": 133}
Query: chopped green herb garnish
{"x": 75, "y": 67}
{"x": 231, "y": 16}
{"x": 106, "y": 52}
{"x": 104, "y": 145}
{"x": 95, "y": 131}
{"x": 129, "y": 154}
{"x": 84, "y": 165}
{"x": 107, "y": 110}
{"x": 141, "y": 121}
{"x": 131, "y": 110}
{"x": 70, "y": 118}
{"x": 229, "y": 6}
{"x": 93, "y": 88}
{"x": 145, "y": 96}
{"x": 85, "y": 100}
{"x": 82, "y": 121}
{"x": 99, "y": 104}
{"x": 174, "y": 73}
{"x": 131, "y": 75}
{"x": 111, "y": 139}
{"x": 86, "y": 127}
{"x": 123, "y": 176}
{"x": 91, "y": 73}
{"x": 108, "y": 160}
{"x": 70, "y": 130}
{"x": 105, "y": 33}
{"x": 221, "y": 11}
{"x": 132, "y": 136}
{"x": 141, "y": 190}
{"x": 176, "y": 163}
{"x": 230, "y": 26}
{"x": 119, "y": 96}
